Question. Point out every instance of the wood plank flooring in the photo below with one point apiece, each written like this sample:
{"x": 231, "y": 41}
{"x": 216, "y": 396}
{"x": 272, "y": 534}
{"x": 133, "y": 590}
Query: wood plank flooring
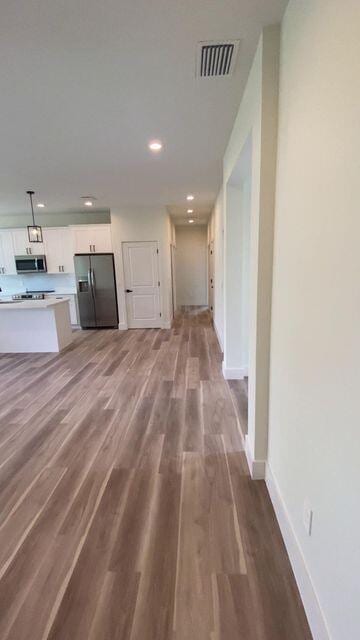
{"x": 239, "y": 392}
{"x": 126, "y": 508}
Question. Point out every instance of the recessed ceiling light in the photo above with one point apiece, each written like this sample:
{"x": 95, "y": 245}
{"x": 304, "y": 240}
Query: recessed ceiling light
{"x": 190, "y": 210}
{"x": 191, "y": 221}
{"x": 41, "y": 205}
{"x": 155, "y": 145}
{"x": 190, "y": 197}
{"x": 88, "y": 200}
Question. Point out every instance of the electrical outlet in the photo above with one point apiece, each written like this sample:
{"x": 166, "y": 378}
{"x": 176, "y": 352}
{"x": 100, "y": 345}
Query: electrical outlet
{"x": 307, "y": 517}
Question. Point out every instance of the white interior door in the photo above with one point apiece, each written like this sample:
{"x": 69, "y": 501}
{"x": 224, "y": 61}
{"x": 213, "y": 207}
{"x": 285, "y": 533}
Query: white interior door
{"x": 142, "y": 285}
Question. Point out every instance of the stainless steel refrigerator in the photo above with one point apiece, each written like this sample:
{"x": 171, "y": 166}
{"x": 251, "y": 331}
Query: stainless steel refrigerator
{"x": 96, "y": 290}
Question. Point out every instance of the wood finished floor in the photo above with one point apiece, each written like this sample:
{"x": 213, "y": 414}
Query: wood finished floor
{"x": 127, "y": 511}
{"x": 239, "y": 392}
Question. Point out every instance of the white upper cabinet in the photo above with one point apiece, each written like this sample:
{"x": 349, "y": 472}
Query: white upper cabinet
{"x": 7, "y": 260}
{"x": 53, "y": 250}
{"x": 22, "y": 246}
{"x": 82, "y": 239}
{"x": 94, "y": 238}
{"x": 68, "y": 250}
{"x": 101, "y": 240}
{"x": 59, "y": 249}
{"x": 59, "y": 246}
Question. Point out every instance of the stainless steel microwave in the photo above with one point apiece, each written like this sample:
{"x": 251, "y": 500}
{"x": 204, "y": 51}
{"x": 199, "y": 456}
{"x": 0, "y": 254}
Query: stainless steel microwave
{"x": 30, "y": 264}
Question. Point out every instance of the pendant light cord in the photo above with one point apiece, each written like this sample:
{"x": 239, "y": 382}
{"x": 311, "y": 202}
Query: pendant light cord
{"x": 31, "y": 193}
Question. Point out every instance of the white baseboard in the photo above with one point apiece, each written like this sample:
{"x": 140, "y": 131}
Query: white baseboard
{"x": 256, "y": 467}
{"x": 306, "y": 588}
{"x": 233, "y": 373}
{"x": 165, "y": 325}
{"x": 218, "y": 337}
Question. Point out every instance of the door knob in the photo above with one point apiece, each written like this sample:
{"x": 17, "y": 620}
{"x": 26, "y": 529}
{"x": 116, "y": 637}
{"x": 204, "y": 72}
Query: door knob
{"x": 128, "y": 290}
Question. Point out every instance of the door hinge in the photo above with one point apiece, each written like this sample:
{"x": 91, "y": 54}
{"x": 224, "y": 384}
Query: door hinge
{"x": 160, "y": 314}
{"x": 157, "y": 250}
{"x": 158, "y": 283}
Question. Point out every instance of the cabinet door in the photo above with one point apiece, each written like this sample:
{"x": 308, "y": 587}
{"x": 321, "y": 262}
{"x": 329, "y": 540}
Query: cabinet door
{"x": 95, "y": 238}
{"x": 73, "y": 310}
{"x": 53, "y": 242}
{"x": 22, "y": 246}
{"x": 7, "y": 260}
{"x": 68, "y": 250}
{"x": 101, "y": 238}
{"x": 82, "y": 239}
{"x": 20, "y": 241}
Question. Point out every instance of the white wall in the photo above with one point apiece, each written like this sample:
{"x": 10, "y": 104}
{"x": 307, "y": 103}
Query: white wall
{"x": 314, "y": 437}
{"x": 141, "y": 224}
{"x": 59, "y": 282}
{"x": 249, "y": 185}
{"x": 216, "y": 234}
{"x": 171, "y": 286}
{"x": 237, "y": 262}
{"x": 245, "y": 266}
{"x": 191, "y": 265}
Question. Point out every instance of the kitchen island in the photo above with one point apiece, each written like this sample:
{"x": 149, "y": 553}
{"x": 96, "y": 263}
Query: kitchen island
{"x": 35, "y": 326}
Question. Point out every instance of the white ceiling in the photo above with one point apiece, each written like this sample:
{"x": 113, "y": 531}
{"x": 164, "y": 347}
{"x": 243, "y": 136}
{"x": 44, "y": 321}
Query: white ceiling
{"x": 85, "y": 84}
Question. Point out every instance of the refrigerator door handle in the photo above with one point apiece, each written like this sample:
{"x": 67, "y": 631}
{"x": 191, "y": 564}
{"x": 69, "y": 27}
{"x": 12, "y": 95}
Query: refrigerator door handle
{"x": 92, "y": 276}
{"x": 89, "y": 279}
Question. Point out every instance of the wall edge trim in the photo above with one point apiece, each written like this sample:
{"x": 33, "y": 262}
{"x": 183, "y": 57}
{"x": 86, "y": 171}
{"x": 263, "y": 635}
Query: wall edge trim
{"x": 256, "y": 467}
{"x": 218, "y": 337}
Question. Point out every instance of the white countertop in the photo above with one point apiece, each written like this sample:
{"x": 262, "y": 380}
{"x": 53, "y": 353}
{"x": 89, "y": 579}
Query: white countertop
{"x": 61, "y": 292}
{"x": 24, "y": 305}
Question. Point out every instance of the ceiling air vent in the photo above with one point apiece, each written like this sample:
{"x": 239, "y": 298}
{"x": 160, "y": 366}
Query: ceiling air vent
{"x": 216, "y": 58}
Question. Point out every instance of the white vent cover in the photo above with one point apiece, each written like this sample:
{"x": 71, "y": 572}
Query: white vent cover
{"x": 216, "y": 58}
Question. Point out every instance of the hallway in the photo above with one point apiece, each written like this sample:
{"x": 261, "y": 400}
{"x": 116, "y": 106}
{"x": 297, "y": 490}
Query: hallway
{"x": 127, "y": 510}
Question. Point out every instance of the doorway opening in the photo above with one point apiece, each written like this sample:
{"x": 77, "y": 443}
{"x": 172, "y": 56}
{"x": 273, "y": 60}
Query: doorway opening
{"x": 211, "y": 276}
{"x": 173, "y": 277}
{"x": 191, "y": 267}
{"x": 238, "y": 279}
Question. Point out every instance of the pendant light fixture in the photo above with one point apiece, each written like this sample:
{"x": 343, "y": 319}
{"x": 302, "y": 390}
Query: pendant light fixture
{"x": 34, "y": 231}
